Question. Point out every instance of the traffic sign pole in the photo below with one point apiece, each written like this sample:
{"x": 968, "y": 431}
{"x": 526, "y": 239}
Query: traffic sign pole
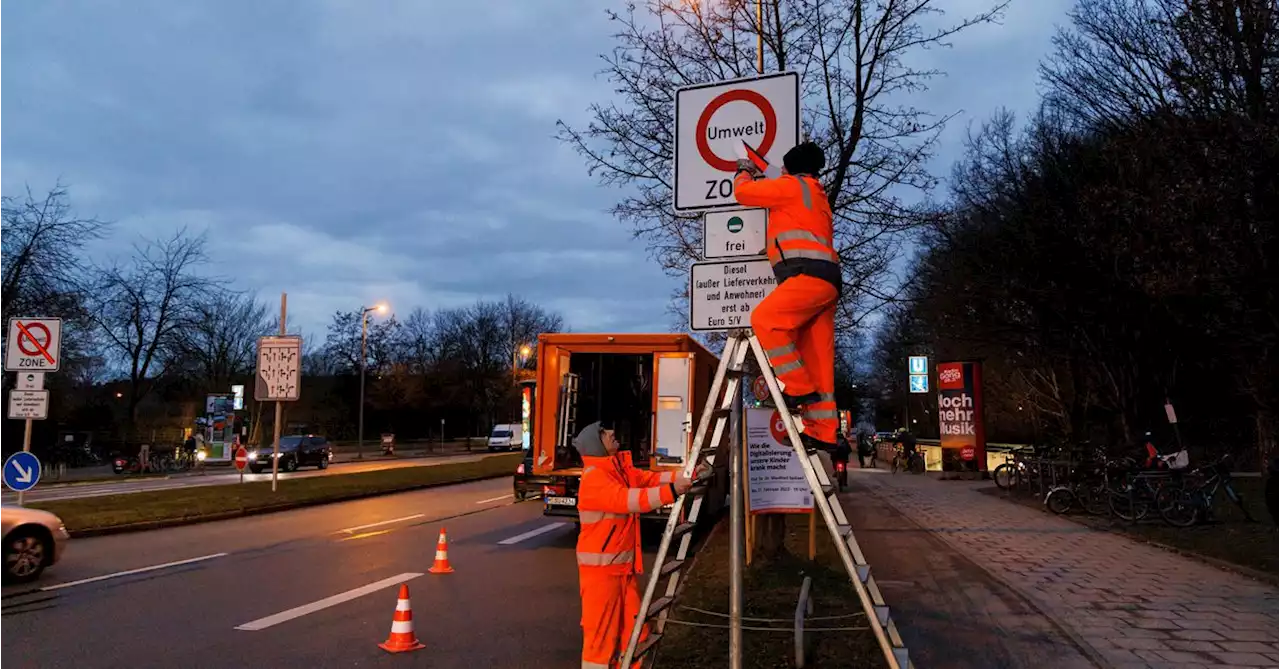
{"x": 275, "y": 442}
{"x": 26, "y": 448}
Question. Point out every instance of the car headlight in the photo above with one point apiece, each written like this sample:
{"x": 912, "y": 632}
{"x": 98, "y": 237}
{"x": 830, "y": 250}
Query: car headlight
{"x": 201, "y": 455}
{"x": 253, "y": 455}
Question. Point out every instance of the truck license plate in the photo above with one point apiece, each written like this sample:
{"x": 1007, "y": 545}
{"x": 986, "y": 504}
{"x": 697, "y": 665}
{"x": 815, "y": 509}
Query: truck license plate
{"x": 562, "y": 501}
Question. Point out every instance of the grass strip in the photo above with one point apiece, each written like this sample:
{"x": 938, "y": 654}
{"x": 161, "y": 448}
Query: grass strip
{"x": 770, "y": 590}
{"x": 162, "y": 508}
{"x": 1230, "y": 540}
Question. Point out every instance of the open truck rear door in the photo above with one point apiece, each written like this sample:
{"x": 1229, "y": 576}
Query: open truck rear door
{"x": 673, "y": 407}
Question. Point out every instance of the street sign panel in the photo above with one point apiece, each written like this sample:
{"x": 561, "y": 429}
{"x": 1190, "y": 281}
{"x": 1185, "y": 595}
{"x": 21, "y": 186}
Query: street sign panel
{"x": 723, "y": 293}
{"x": 29, "y": 404}
{"x": 737, "y": 233}
{"x": 279, "y": 369}
{"x": 30, "y": 381}
{"x": 712, "y": 122}
{"x": 242, "y": 458}
{"x": 21, "y": 471}
{"x": 919, "y": 383}
{"x": 33, "y": 345}
{"x": 918, "y": 364}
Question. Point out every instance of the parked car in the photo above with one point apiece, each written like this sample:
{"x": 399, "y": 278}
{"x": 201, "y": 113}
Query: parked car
{"x": 524, "y": 484}
{"x": 33, "y": 540}
{"x": 506, "y": 437}
{"x": 295, "y": 451}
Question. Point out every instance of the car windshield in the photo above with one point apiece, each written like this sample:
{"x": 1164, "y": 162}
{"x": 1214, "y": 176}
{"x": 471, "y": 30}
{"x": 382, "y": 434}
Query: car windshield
{"x": 500, "y": 434}
{"x": 289, "y": 443}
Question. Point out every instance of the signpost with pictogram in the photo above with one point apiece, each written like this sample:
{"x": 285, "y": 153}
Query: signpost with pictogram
{"x": 33, "y": 346}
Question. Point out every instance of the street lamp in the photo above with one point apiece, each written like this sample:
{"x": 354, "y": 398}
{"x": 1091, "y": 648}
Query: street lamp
{"x": 364, "y": 342}
{"x": 518, "y": 357}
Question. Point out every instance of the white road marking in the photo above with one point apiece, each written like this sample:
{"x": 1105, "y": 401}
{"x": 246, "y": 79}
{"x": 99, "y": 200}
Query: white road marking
{"x": 494, "y": 499}
{"x": 305, "y": 609}
{"x": 140, "y": 570}
{"x": 349, "y": 530}
{"x": 531, "y": 534}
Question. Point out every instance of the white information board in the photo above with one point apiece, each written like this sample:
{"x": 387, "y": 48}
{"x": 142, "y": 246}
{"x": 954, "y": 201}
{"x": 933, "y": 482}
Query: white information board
{"x": 279, "y": 369}
{"x": 738, "y": 233}
{"x": 32, "y": 404}
{"x": 774, "y": 475}
{"x": 723, "y": 293}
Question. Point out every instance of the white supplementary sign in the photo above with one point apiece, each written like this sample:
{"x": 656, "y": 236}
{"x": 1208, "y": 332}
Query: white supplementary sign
{"x": 279, "y": 369}
{"x": 30, "y": 381}
{"x": 29, "y": 404}
{"x": 734, "y": 234}
{"x": 33, "y": 345}
{"x": 774, "y": 474}
{"x": 722, "y": 294}
{"x": 712, "y": 122}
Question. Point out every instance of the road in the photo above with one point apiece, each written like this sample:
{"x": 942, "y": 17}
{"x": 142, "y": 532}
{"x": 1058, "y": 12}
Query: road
{"x": 512, "y": 601}
{"x": 220, "y": 476}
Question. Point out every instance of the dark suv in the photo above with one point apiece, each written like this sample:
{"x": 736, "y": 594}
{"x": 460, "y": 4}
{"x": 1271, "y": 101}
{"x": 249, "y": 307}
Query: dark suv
{"x": 295, "y": 451}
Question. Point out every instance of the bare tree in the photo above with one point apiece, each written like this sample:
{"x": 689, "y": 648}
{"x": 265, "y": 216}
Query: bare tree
{"x": 854, "y": 59}
{"x": 221, "y": 342}
{"x": 141, "y": 306}
{"x": 523, "y": 321}
{"x": 42, "y": 259}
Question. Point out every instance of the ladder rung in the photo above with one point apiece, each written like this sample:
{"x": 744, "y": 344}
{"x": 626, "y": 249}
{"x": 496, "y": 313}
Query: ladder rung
{"x": 734, "y": 373}
{"x": 721, "y": 413}
{"x": 649, "y": 644}
{"x": 682, "y": 529}
{"x": 670, "y": 567}
{"x": 700, "y": 489}
{"x": 659, "y": 605}
{"x": 827, "y": 490}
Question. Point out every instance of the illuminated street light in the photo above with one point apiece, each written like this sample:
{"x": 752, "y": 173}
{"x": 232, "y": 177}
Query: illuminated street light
{"x": 381, "y": 308}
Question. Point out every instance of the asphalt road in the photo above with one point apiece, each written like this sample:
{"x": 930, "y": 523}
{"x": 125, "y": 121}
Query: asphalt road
{"x": 312, "y": 588}
{"x": 219, "y": 476}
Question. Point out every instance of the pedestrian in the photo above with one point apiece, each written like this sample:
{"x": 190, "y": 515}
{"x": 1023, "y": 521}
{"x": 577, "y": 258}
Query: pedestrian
{"x": 796, "y": 322}
{"x": 611, "y": 494}
{"x": 866, "y": 450}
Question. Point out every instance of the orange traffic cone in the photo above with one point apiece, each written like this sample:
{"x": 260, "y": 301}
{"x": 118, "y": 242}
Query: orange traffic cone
{"x": 441, "y": 565}
{"x": 402, "y": 638}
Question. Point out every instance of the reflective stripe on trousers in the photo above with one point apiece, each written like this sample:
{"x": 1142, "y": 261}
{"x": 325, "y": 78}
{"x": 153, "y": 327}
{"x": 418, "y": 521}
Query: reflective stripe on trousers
{"x": 605, "y": 559}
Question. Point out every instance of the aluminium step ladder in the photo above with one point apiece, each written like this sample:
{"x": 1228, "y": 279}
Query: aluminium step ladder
{"x": 725, "y": 387}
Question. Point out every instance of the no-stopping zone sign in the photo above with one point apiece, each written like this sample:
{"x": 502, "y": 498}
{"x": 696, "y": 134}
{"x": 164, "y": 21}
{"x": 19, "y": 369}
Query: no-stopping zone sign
{"x": 714, "y": 120}
{"x": 33, "y": 345}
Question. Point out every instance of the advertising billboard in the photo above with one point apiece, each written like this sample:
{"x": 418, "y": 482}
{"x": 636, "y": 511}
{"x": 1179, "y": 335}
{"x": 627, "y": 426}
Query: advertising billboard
{"x": 960, "y": 423}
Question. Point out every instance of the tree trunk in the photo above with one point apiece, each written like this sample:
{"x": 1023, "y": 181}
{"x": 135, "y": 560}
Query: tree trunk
{"x": 771, "y": 534}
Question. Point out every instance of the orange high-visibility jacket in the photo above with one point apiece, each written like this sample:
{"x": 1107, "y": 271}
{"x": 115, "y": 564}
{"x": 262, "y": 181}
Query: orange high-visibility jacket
{"x": 610, "y": 495}
{"x": 800, "y": 226}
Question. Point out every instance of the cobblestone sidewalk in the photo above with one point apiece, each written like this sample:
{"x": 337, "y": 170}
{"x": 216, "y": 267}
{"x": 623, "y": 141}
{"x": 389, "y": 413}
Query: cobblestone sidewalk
{"x": 1133, "y": 604}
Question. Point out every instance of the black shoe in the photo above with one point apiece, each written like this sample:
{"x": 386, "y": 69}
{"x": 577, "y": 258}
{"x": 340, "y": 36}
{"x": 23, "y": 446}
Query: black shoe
{"x": 812, "y": 445}
{"x": 797, "y": 402}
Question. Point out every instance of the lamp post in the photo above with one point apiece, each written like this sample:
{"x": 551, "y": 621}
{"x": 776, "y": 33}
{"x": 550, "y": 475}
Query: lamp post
{"x": 364, "y": 342}
{"x": 518, "y": 357}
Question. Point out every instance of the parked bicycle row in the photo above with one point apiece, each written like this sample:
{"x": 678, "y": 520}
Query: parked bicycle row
{"x": 1129, "y": 488}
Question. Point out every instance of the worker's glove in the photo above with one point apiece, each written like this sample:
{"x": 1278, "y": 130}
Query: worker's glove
{"x": 745, "y": 165}
{"x": 702, "y": 472}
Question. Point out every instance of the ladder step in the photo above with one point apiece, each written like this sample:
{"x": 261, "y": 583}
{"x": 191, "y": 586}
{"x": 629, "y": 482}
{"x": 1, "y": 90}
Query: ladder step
{"x": 682, "y": 529}
{"x": 721, "y": 413}
{"x": 827, "y": 490}
{"x": 882, "y": 615}
{"x": 900, "y": 656}
{"x": 651, "y": 642}
{"x": 660, "y": 605}
{"x": 670, "y": 567}
{"x": 700, "y": 489}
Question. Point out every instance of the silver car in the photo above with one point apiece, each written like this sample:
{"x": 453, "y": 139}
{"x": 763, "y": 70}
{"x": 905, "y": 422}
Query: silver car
{"x": 33, "y": 540}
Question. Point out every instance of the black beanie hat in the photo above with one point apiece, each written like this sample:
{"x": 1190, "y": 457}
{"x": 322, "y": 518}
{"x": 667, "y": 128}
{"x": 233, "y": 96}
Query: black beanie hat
{"x": 805, "y": 158}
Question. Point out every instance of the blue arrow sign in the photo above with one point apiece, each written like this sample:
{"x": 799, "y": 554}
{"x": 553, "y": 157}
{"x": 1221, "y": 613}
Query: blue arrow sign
{"x": 919, "y": 383}
{"x": 21, "y": 471}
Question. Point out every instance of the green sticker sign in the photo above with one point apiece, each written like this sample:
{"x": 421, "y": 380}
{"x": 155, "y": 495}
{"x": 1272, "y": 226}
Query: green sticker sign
{"x": 735, "y": 225}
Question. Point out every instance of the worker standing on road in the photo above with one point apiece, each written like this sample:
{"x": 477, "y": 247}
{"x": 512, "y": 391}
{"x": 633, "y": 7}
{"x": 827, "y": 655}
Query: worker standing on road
{"x": 796, "y": 322}
{"x": 611, "y": 494}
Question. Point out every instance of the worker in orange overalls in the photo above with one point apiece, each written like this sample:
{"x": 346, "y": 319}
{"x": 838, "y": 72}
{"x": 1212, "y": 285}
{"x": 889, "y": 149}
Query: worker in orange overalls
{"x": 796, "y": 322}
{"x": 611, "y": 494}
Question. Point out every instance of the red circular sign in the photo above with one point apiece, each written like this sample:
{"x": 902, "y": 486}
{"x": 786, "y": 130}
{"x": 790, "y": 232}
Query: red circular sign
{"x": 242, "y": 458}
{"x": 33, "y": 333}
{"x": 737, "y": 95}
{"x": 779, "y": 429}
{"x": 760, "y": 388}
{"x": 967, "y": 453}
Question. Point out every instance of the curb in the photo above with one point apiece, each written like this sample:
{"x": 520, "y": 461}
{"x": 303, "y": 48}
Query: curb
{"x": 261, "y": 510}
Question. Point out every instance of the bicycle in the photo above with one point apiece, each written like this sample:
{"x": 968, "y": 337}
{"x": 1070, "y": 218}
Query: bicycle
{"x": 1086, "y": 488}
{"x": 914, "y": 464}
{"x": 1189, "y": 504}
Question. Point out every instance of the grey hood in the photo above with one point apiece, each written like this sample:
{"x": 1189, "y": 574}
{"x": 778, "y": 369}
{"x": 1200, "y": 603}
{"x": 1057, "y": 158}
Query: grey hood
{"x": 588, "y": 442}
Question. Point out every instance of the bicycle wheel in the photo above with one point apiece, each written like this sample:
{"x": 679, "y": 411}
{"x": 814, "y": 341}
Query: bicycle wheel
{"x": 1126, "y": 506}
{"x": 1180, "y": 507}
{"x": 1005, "y": 476}
{"x": 893, "y": 467}
{"x": 1093, "y": 498}
{"x": 1060, "y": 500}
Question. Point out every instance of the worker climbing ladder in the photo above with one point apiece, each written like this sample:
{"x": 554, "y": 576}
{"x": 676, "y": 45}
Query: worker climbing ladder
{"x": 724, "y": 401}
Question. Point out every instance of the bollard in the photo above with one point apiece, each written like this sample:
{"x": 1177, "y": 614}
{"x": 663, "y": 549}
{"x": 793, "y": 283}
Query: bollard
{"x": 804, "y": 606}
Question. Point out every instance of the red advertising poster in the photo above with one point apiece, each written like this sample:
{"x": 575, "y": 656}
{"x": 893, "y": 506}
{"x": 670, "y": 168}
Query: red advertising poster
{"x": 960, "y": 424}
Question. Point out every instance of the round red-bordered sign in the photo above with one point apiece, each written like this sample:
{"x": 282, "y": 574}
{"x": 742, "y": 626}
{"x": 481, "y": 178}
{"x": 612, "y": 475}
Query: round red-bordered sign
{"x": 30, "y": 333}
{"x": 760, "y": 389}
{"x": 779, "y": 429}
{"x": 736, "y": 95}
{"x": 242, "y": 458}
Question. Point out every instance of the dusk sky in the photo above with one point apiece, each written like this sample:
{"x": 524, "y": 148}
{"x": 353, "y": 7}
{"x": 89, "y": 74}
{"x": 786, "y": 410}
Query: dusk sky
{"x": 351, "y": 151}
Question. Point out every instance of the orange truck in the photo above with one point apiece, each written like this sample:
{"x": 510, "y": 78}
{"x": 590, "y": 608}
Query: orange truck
{"x": 651, "y": 386}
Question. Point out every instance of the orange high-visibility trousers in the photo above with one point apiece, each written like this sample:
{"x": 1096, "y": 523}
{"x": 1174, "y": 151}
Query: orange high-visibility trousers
{"x": 796, "y": 325}
{"x": 610, "y": 603}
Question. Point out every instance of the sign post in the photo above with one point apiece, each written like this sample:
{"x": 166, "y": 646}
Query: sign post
{"x": 278, "y": 379}
{"x": 33, "y": 347}
{"x": 242, "y": 461}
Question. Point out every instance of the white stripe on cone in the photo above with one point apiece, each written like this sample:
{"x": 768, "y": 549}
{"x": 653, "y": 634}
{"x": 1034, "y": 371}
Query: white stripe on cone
{"x": 440, "y": 555}
{"x": 402, "y": 627}
{"x": 402, "y": 605}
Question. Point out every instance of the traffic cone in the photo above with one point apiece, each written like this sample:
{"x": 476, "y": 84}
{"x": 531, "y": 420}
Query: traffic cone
{"x": 441, "y": 565}
{"x": 402, "y": 638}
